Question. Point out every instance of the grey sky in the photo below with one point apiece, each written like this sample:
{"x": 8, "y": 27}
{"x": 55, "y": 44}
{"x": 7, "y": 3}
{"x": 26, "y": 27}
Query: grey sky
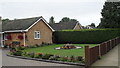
{"x": 85, "y": 11}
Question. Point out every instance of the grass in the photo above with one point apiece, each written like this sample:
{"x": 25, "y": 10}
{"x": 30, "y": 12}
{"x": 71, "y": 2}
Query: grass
{"x": 49, "y": 49}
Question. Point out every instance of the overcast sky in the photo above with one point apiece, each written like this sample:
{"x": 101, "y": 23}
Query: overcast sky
{"x": 85, "y": 11}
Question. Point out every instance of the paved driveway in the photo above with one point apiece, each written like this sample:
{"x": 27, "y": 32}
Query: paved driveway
{"x": 109, "y": 59}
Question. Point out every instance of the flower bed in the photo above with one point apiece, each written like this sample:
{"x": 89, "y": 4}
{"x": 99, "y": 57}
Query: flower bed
{"x": 51, "y": 61}
{"x": 68, "y": 46}
{"x": 51, "y": 58}
{"x": 47, "y": 53}
{"x": 18, "y": 52}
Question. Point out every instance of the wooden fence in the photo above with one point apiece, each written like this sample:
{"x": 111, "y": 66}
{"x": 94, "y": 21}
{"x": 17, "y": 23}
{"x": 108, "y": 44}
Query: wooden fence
{"x": 93, "y": 54}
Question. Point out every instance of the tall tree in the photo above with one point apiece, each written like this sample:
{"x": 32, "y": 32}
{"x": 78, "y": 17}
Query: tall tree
{"x": 51, "y": 20}
{"x": 110, "y": 15}
{"x": 5, "y": 19}
{"x": 67, "y": 19}
{"x": 73, "y": 20}
{"x": 92, "y": 24}
{"x": 64, "y": 19}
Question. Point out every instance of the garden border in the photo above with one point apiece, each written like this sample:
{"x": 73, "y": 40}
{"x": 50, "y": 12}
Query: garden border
{"x": 44, "y": 60}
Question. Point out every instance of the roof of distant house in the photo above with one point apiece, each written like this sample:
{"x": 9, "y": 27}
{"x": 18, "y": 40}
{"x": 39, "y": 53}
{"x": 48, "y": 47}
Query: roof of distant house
{"x": 63, "y": 25}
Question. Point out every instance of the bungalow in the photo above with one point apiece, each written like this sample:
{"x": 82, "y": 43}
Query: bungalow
{"x": 66, "y": 26}
{"x": 30, "y": 31}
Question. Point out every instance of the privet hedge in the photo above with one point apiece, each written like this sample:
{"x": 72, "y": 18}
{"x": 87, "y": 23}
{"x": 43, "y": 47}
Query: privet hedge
{"x": 86, "y": 36}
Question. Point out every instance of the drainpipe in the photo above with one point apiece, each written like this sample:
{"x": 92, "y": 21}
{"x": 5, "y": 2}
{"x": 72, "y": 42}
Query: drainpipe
{"x": 24, "y": 38}
{"x": 1, "y": 40}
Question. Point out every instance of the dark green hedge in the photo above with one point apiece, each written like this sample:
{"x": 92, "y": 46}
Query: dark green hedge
{"x": 86, "y": 36}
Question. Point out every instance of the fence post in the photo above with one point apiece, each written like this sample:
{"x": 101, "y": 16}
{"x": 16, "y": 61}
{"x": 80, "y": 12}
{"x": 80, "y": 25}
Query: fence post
{"x": 106, "y": 47}
{"x": 87, "y": 56}
{"x": 110, "y": 44}
{"x": 117, "y": 40}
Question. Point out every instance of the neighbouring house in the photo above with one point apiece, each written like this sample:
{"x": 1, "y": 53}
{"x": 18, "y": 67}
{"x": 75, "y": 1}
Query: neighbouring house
{"x": 89, "y": 27}
{"x": 30, "y": 31}
{"x": 66, "y": 26}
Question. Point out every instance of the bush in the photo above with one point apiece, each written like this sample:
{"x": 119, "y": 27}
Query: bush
{"x": 64, "y": 58}
{"x": 33, "y": 46}
{"x": 46, "y": 56}
{"x": 86, "y": 36}
{"x": 24, "y": 54}
{"x": 20, "y": 48}
{"x": 31, "y": 54}
{"x": 16, "y": 53}
{"x": 55, "y": 57}
{"x": 40, "y": 54}
{"x": 79, "y": 58}
{"x": 5, "y": 46}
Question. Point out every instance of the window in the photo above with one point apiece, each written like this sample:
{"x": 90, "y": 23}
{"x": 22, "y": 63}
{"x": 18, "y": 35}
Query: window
{"x": 36, "y": 35}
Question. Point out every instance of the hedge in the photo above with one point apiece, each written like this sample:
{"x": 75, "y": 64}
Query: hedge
{"x": 85, "y": 36}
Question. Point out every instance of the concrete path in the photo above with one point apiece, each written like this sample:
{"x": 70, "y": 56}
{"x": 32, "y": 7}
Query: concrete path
{"x": 109, "y": 59}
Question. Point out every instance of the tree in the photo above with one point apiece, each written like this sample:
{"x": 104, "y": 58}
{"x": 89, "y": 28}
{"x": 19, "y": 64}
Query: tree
{"x": 92, "y": 24}
{"x": 51, "y": 20}
{"x": 66, "y": 19}
{"x": 5, "y": 19}
{"x": 110, "y": 15}
{"x": 73, "y": 20}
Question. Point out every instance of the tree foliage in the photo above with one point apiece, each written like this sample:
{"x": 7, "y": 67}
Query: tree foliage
{"x": 110, "y": 15}
{"x": 51, "y": 20}
{"x": 5, "y": 19}
{"x": 67, "y": 19}
{"x": 92, "y": 24}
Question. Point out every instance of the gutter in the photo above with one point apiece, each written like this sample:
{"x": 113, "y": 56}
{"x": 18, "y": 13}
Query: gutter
{"x": 16, "y": 31}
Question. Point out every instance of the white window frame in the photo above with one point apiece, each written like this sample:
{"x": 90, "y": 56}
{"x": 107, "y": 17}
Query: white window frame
{"x": 36, "y": 34}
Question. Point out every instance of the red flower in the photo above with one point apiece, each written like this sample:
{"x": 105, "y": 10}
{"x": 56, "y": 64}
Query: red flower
{"x": 20, "y": 37}
{"x": 9, "y": 37}
{"x": 40, "y": 54}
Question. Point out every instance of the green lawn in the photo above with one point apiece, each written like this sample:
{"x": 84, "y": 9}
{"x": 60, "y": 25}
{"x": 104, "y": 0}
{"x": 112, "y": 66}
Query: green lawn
{"x": 49, "y": 49}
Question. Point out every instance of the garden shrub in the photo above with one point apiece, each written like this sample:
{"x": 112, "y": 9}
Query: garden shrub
{"x": 24, "y": 54}
{"x": 5, "y": 46}
{"x": 55, "y": 57}
{"x": 85, "y": 36}
{"x": 65, "y": 58}
{"x": 79, "y": 58}
{"x": 33, "y": 46}
{"x": 31, "y": 54}
{"x": 46, "y": 56}
{"x": 17, "y": 53}
{"x": 20, "y": 48}
{"x": 72, "y": 58}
